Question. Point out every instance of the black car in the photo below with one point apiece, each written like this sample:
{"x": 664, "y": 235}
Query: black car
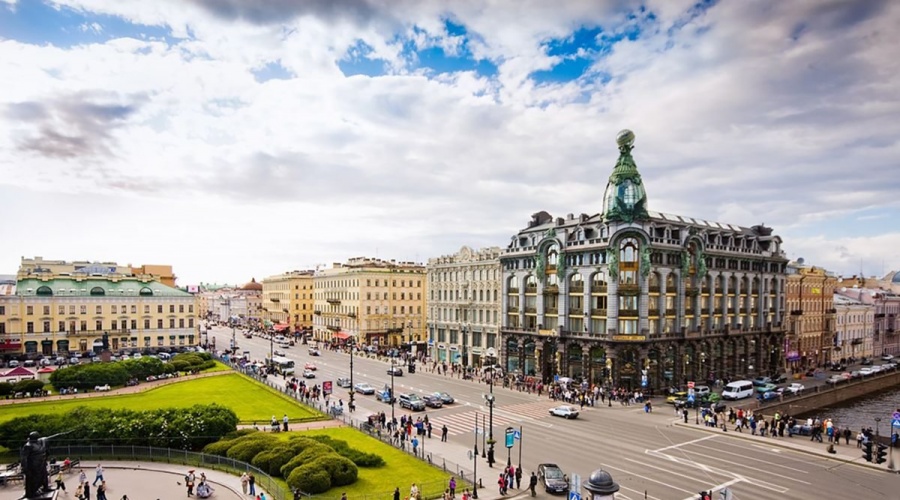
{"x": 433, "y": 401}
{"x": 397, "y": 371}
{"x": 553, "y": 479}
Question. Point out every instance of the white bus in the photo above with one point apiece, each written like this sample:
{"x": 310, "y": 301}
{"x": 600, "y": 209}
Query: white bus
{"x": 282, "y": 365}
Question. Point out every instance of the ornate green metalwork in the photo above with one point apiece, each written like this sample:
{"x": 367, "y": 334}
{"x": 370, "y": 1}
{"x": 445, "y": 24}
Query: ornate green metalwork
{"x": 612, "y": 259}
{"x": 561, "y": 265}
{"x": 685, "y": 263}
{"x": 645, "y": 261}
{"x": 540, "y": 268}
{"x": 701, "y": 264}
{"x": 625, "y": 199}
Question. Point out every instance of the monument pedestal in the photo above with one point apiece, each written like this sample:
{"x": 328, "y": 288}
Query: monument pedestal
{"x": 105, "y": 355}
{"x": 51, "y": 495}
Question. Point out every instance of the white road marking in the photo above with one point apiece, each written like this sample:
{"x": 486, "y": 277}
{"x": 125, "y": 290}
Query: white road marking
{"x": 683, "y": 444}
{"x": 667, "y": 485}
{"x": 641, "y": 494}
{"x": 744, "y": 457}
{"x": 667, "y": 471}
{"x": 716, "y": 488}
{"x": 755, "y": 482}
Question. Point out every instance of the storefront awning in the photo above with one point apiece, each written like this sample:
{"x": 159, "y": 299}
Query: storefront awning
{"x": 280, "y": 327}
{"x": 341, "y": 335}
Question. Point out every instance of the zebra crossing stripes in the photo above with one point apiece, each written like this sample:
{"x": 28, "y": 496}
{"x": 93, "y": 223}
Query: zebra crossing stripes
{"x": 537, "y": 410}
{"x": 464, "y": 423}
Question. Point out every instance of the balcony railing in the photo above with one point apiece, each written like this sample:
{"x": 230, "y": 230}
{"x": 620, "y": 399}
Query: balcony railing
{"x": 512, "y": 309}
{"x": 576, "y": 311}
{"x": 514, "y": 290}
{"x": 333, "y": 301}
{"x": 531, "y": 289}
{"x": 551, "y": 310}
{"x": 629, "y": 288}
{"x": 671, "y": 312}
{"x": 317, "y": 313}
{"x": 598, "y": 288}
{"x": 598, "y": 312}
{"x": 628, "y": 312}
{"x": 530, "y": 310}
{"x": 551, "y": 289}
{"x": 274, "y": 299}
{"x": 579, "y": 288}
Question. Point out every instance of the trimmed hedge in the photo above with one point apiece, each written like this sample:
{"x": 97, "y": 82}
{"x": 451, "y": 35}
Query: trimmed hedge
{"x": 360, "y": 458}
{"x": 272, "y": 460}
{"x": 183, "y": 428}
{"x": 342, "y": 470}
{"x": 245, "y": 449}
{"x": 310, "y": 479}
{"x": 87, "y": 376}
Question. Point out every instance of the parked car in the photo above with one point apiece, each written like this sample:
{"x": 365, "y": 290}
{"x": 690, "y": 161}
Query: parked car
{"x": 279, "y": 353}
{"x": 364, "y": 388}
{"x": 395, "y": 371}
{"x": 835, "y": 379}
{"x": 761, "y": 381}
{"x": 343, "y": 382}
{"x": 433, "y": 401}
{"x": 102, "y": 388}
{"x": 552, "y": 478}
{"x": 795, "y": 388}
{"x": 769, "y": 396}
{"x": 74, "y": 360}
{"x": 701, "y": 390}
{"x": 887, "y": 357}
{"x": 314, "y": 352}
{"x": 564, "y": 411}
{"x": 766, "y": 388}
{"x": 384, "y": 396}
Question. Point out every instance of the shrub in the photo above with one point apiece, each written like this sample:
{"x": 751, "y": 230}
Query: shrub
{"x": 342, "y": 470}
{"x": 360, "y": 458}
{"x": 31, "y": 386}
{"x": 245, "y": 449}
{"x": 272, "y": 460}
{"x": 5, "y": 388}
{"x": 307, "y": 456}
{"x": 239, "y": 433}
{"x": 310, "y": 479}
{"x": 219, "y": 448}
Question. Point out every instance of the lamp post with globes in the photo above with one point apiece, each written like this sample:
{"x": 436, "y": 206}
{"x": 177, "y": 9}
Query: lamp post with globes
{"x": 489, "y": 398}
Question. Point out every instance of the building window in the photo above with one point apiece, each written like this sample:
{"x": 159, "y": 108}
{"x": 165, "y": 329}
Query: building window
{"x": 115, "y": 325}
{"x": 146, "y": 309}
{"x": 134, "y": 324}
{"x": 46, "y": 310}
{"x": 99, "y": 309}
{"x": 29, "y": 310}
{"x": 159, "y": 308}
{"x": 190, "y": 322}
{"x": 146, "y": 324}
{"x": 114, "y": 309}
{"x": 191, "y": 308}
{"x": 159, "y": 324}
{"x": 171, "y": 322}
{"x": 2, "y": 310}
{"x": 181, "y": 308}
{"x": 29, "y": 327}
{"x": 46, "y": 326}
{"x": 181, "y": 323}
{"x": 99, "y": 325}
{"x": 83, "y": 326}
{"x": 171, "y": 308}
{"x": 62, "y": 326}
{"x": 2, "y": 328}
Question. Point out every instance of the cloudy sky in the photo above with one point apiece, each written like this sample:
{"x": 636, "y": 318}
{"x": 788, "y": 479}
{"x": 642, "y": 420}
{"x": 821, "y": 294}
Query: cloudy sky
{"x": 237, "y": 139}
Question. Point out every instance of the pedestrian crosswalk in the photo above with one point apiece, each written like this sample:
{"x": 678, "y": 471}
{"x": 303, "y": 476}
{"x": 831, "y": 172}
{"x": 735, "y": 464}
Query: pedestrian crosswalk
{"x": 465, "y": 422}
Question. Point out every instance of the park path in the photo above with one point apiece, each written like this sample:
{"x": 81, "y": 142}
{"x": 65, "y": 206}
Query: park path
{"x": 142, "y": 387}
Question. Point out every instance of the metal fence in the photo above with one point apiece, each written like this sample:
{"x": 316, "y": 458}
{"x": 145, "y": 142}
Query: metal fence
{"x": 276, "y": 490}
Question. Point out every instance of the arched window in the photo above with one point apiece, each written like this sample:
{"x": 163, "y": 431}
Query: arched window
{"x": 552, "y": 257}
{"x": 654, "y": 282}
{"x": 146, "y": 291}
{"x": 513, "y": 284}
{"x": 598, "y": 283}
{"x": 44, "y": 290}
{"x": 531, "y": 283}
{"x": 552, "y": 280}
{"x": 628, "y": 261}
{"x": 576, "y": 283}
{"x": 98, "y": 291}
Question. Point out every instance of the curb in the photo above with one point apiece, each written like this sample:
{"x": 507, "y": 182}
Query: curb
{"x": 778, "y": 443}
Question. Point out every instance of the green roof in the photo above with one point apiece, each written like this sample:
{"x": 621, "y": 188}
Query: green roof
{"x": 97, "y": 287}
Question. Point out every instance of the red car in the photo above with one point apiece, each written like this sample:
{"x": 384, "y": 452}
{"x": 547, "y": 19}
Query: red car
{"x": 310, "y": 366}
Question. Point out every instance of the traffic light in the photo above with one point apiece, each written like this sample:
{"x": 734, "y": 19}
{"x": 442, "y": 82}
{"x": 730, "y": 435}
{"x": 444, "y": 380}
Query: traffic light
{"x": 867, "y": 451}
{"x": 880, "y": 454}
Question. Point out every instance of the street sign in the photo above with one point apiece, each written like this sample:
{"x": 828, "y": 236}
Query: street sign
{"x": 326, "y": 387}
{"x": 556, "y": 378}
{"x": 895, "y": 422}
{"x": 574, "y": 496}
{"x": 725, "y": 494}
{"x": 691, "y": 385}
{"x": 517, "y": 435}
{"x": 690, "y": 398}
{"x": 510, "y": 437}
{"x": 575, "y": 483}
{"x": 470, "y": 454}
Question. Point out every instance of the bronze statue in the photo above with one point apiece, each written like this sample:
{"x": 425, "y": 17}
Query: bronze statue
{"x": 33, "y": 458}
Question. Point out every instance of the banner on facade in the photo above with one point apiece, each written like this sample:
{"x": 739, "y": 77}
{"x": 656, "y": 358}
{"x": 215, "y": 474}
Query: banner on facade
{"x": 547, "y": 332}
{"x": 629, "y": 338}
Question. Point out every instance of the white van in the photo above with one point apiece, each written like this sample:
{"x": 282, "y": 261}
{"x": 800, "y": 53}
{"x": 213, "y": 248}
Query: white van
{"x": 739, "y": 389}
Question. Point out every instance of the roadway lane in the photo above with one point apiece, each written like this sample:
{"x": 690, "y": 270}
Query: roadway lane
{"x": 645, "y": 453}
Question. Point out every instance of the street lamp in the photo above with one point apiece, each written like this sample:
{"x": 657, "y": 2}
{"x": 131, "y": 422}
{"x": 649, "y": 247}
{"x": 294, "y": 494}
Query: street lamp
{"x": 392, "y": 390}
{"x": 351, "y": 341}
{"x": 465, "y": 341}
{"x": 475, "y": 462}
{"x": 491, "y": 353}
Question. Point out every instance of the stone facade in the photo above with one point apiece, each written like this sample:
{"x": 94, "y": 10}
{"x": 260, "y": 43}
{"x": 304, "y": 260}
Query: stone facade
{"x": 854, "y": 328}
{"x": 886, "y": 320}
{"x": 636, "y": 298}
{"x": 810, "y": 305}
{"x": 287, "y": 298}
{"x": 463, "y": 304}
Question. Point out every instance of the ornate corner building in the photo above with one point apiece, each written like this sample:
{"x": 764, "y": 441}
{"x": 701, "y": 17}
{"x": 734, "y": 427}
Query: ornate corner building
{"x": 635, "y": 298}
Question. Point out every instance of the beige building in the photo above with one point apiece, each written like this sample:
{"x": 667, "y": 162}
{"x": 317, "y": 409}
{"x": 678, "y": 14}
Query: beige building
{"x": 811, "y": 329}
{"x": 380, "y": 302}
{"x": 464, "y": 305}
{"x": 38, "y": 266}
{"x": 288, "y": 299}
{"x": 62, "y": 315}
{"x": 854, "y": 328}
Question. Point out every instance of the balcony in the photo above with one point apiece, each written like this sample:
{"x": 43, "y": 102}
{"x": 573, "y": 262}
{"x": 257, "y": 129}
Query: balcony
{"x": 513, "y": 290}
{"x": 598, "y": 312}
{"x": 530, "y": 310}
{"x": 317, "y": 313}
{"x": 334, "y": 302}
{"x": 334, "y": 328}
{"x": 628, "y": 313}
{"x": 631, "y": 288}
{"x": 551, "y": 310}
{"x": 512, "y": 309}
{"x": 671, "y": 312}
{"x": 88, "y": 333}
{"x": 274, "y": 299}
{"x": 599, "y": 288}
{"x": 551, "y": 289}
{"x": 531, "y": 289}
{"x": 579, "y": 288}
{"x": 576, "y": 311}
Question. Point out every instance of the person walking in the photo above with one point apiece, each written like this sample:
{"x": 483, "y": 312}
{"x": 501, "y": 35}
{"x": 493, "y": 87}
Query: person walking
{"x": 87, "y": 490}
{"x": 251, "y": 480}
{"x": 82, "y": 477}
{"x": 397, "y": 493}
{"x": 452, "y": 486}
{"x": 245, "y": 479}
{"x": 519, "y": 477}
{"x": 101, "y": 491}
{"x": 285, "y": 422}
{"x": 189, "y": 482}
{"x": 444, "y": 432}
{"x": 532, "y": 483}
{"x": 99, "y": 475}
{"x": 60, "y": 483}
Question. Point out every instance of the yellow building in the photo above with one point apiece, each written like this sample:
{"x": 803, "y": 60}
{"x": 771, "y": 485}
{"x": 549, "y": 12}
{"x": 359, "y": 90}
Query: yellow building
{"x": 288, "y": 299}
{"x": 59, "y": 316}
{"x": 380, "y": 302}
{"x": 809, "y": 299}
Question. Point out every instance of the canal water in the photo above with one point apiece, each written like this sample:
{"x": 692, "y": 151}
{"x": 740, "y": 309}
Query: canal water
{"x": 862, "y": 412}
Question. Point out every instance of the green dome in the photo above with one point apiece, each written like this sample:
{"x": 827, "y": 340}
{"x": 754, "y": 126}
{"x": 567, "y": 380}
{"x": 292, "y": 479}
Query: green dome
{"x": 625, "y": 199}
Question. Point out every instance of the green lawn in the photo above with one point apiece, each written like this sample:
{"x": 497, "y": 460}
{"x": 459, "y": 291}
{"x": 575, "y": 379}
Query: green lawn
{"x": 252, "y": 401}
{"x": 400, "y": 470}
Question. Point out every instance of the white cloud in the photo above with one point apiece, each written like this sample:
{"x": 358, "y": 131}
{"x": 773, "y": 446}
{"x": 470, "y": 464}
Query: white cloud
{"x": 781, "y": 112}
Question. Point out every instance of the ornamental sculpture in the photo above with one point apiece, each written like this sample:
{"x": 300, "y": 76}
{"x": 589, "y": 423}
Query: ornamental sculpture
{"x": 645, "y": 261}
{"x": 612, "y": 258}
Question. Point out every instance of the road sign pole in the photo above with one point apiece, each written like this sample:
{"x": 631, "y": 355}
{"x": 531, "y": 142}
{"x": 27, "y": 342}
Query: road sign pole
{"x": 521, "y": 435}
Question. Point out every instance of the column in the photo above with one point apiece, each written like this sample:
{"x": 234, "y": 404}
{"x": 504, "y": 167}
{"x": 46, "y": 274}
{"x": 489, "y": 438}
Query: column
{"x": 612, "y": 304}
{"x": 663, "y": 276}
{"x": 586, "y": 303}
{"x": 562, "y": 304}
{"x": 737, "y": 298}
{"x": 724, "y": 304}
{"x": 521, "y": 275}
{"x": 679, "y": 301}
{"x": 643, "y": 306}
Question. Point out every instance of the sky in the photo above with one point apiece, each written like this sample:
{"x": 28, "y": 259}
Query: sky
{"x": 236, "y": 139}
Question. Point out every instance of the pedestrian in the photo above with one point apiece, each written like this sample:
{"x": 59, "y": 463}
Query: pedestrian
{"x": 415, "y": 445}
{"x": 82, "y": 477}
{"x": 413, "y": 492}
{"x": 519, "y": 477}
{"x": 343, "y": 496}
{"x": 79, "y": 491}
{"x": 87, "y": 490}
{"x": 285, "y": 422}
{"x": 397, "y": 493}
{"x": 452, "y": 486}
{"x": 444, "y": 431}
{"x": 101, "y": 491}
{"x": 244, "y": 480}
{"x": 189, "y": 482}
{"x": 99, "y": 476}
{"x": 60, "y": 483}
{"x": 501, "y": 483}
{"x": 532, "y": 483}
{"x": 251, "y": 480}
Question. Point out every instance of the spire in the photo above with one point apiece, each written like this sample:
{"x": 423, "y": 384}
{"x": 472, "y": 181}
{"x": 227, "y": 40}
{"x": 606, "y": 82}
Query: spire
{"x": 625, "y": 199}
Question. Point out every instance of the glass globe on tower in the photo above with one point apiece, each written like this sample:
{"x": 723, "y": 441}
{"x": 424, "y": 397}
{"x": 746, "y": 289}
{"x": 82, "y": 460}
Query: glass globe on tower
{"x": 625, "y": 199}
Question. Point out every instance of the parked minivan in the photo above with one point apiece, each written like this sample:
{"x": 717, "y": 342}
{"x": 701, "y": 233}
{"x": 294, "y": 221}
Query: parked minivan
{"x": 739, "y": 389}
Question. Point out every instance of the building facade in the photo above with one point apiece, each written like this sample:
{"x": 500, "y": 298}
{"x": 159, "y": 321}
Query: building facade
{"x": 885, "y": 338}
{"x": 43, "y": 267}
{"x": 379, "y": 302}
{"x": 59, "y": 316}
{"x": 635, "y": 298}
{"x": 463, "y": 304}
{"x": 854, "y": 328}
{"x": 809, "y": 297}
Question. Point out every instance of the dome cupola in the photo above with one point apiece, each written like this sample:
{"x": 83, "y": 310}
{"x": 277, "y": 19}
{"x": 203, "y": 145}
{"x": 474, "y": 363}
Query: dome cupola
{"x": 625, "y": 199}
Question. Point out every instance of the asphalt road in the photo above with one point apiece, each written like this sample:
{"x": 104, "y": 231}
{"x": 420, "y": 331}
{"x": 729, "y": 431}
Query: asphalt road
{"x": 646, "y": 454}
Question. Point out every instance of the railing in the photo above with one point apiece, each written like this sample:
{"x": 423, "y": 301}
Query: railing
{"x": 598, "y": 288}
{"x": 576, "y": 311}
{"x": 530, "y": 310}
{"x": 598, "y": 312}
{"x": 628, "y": 312}
{"x": 671, "y": 312}
{"x": 551, "y": 310}
{"x": 576, "y": 288}
{"x": 152, "y": 454}
{"x": 629, "y": 287}
{"x": 513, "y": 290}
{"x": 531, "y": 289}
{"x": 512, "y": 309}
{"x": 551, "y": 289}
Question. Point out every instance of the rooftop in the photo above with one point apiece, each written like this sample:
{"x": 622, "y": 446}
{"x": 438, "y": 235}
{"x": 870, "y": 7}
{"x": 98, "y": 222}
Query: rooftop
{"x": 98, "y": 287}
